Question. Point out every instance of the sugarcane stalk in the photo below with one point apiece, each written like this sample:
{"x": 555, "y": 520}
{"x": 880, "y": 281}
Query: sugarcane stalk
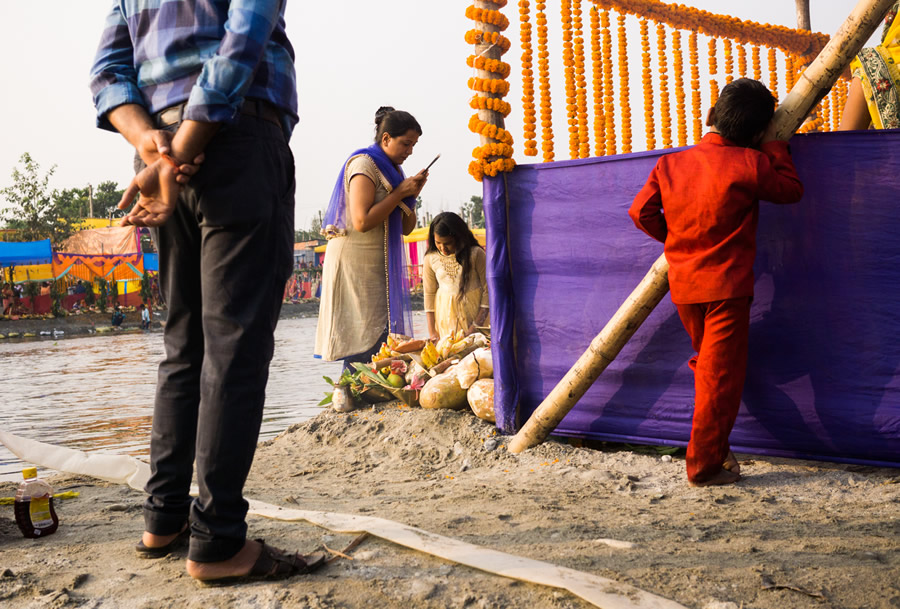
{"x": 812, "y": 85}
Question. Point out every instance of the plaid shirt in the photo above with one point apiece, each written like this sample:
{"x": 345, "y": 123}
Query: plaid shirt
{"x": 210, "y": 53}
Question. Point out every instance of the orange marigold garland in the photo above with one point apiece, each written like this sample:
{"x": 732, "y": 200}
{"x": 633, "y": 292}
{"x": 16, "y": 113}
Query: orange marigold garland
{"x": 490, "y": 103}
{"x": 742, "y": 61}
{"x": 678, "y": 73}
{"x": 584, "y": 150}
{"x": 569, "y": 74}
{"x": 544, "y": 82}
{"x": 773, "y": 72}
{"x": 597, "y": 81}
{"x": 529, "y": 120}
{"x": 696, "y": 111}
{"x": 495, "y": 38}
{"x": 476, "y": 125}
{"x": 500, "y": 68}
{"x": 489, "y": 85}
{"x": 789, "y": 72}
{"x": 608, "y": 108}
{"x": 713, "y": 70}
{"x": 501, "y": 151}
{"x": 487, "y": 16}
{"x": 647, "y": 81}
{"x": 624, "y": 103}
{"x": 665, "y": 117}
{"x": 757, "y": 65}
{"x": 826, "y": 113}
{"x": 729, "y": 60}
{"x": 683, "y": 17}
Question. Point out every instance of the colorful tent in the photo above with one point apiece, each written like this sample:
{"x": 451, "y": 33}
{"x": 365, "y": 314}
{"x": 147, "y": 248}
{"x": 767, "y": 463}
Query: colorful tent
{"x": 106, "y": 240}
{"x": 31, "y": 260}
{"x": 25, "y": 253}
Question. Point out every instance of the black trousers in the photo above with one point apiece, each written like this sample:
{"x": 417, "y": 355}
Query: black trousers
{"x": 224, "y": 258}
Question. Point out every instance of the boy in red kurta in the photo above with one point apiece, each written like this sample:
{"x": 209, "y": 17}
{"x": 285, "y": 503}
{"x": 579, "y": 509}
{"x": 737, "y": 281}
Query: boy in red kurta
{"x": 703, "y": 204}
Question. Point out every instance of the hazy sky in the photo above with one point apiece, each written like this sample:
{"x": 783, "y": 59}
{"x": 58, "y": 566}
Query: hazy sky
{"x": 48, "y": 47}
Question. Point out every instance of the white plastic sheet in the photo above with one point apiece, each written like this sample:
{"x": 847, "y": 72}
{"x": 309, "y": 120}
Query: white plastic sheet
{"x": 599, "y": 591}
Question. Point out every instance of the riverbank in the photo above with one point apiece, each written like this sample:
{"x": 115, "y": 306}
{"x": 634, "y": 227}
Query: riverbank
{"x": 84, "y": 324}
{"x": 99, "y": 323}
{"x": 793, "y": 533}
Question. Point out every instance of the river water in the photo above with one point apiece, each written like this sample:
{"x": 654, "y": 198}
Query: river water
{"x": 96, "y": 392}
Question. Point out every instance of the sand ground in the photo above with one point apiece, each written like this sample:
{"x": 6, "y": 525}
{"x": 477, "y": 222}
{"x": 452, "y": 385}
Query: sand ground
{"x": 792, "y": 534}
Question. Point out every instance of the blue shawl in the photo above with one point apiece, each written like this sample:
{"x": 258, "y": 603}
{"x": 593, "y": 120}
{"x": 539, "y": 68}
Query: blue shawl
{"x": 334, "y": 223}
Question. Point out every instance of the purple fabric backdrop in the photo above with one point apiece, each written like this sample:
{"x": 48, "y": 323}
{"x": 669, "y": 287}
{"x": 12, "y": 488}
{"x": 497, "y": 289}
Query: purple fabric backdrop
{"x": 824, "y": 375}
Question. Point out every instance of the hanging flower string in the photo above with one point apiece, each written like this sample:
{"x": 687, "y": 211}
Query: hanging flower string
{"x": 789, "y": 75}
{"x": 757, "y": 64}
{"x": 624, "y": 104}
{"x": 544, "y": 83}
{"x": 696, "y": 111}
{"x": 608, "y": 108}
{"x": 597, "y": 81}
{"x": 647, "y": 82}
{"x": 713, "y": 70}
{"x": 742, "y": 61}
{"x": 678, "y": 73}
{"x": 773, "y": 71}
{"x": 492, "y": 157}
{"x": 729, "y": 59}
{"x": 568, "y": 56}
{"x": 665, "y": 117}
{"x": 584, "y": 140}
{"x": 529, "y": 112}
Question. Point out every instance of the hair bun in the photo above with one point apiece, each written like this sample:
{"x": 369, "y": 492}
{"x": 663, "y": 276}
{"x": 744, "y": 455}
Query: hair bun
{"x": 381, "y": 113}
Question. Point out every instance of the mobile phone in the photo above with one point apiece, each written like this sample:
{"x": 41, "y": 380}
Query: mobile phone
{"x": 432, "y": 162}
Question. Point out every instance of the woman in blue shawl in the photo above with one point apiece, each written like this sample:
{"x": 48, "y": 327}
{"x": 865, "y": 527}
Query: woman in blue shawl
{"x": 365, "y": 291}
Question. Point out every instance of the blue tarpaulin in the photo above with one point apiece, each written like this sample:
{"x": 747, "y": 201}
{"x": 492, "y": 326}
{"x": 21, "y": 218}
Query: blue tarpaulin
{"x": 25, "y": 253}
{"x": 824, "y": 370}
{"x": 151, "y": 262}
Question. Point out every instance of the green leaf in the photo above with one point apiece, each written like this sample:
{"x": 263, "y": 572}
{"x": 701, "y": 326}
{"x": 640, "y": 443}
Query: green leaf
{"x": 328, "y": 380}
{"x": 327, "y": 400}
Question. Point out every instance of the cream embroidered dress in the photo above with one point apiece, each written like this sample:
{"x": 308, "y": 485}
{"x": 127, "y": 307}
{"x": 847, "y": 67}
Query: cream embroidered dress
{"x": 353, "y": 310}
{"x": 441, "y": 277}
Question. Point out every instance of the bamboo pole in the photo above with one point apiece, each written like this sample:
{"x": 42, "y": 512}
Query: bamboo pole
{"x": 810, "y": 88}
{"x": 488, "y": 51}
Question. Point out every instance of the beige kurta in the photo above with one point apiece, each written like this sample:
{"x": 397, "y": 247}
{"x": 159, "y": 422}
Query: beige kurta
{"x": 353, "y": 310}
{"x": 441, "y": 277}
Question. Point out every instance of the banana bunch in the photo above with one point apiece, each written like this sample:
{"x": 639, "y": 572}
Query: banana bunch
{"x": 453, "y": 343}
{"x": 430, "y": 355}
{"x": 383, "y": 353}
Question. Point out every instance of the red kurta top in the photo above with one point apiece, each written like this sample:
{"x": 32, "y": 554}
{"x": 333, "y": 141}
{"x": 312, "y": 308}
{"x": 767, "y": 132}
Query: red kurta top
{"x": 703, "y": 204}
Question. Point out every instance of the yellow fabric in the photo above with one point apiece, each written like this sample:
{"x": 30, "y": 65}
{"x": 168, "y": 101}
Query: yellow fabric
{"x": 889, "y": 52}
{"x": 421, "y": 234}
{"x": 33, "y": 272}
{"x": 441, "y": 277}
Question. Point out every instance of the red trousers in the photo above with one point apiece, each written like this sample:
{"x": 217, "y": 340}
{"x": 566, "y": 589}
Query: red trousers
{"x": 719, "y": 332}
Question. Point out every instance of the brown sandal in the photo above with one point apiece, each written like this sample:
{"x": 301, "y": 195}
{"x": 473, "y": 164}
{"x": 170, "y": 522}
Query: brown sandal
{"x": 273, "y": 564}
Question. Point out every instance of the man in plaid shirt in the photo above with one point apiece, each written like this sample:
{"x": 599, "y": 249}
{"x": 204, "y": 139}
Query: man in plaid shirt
{"x": 206, "y": 93}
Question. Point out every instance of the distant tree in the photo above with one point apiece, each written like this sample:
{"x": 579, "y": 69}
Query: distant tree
{"x": 314, "y": 232}
{"x": 34, "y": 210}
{"x": 72, "y": 202}
{"x": 472, "y": 212}
{"x": 106, "y": 198}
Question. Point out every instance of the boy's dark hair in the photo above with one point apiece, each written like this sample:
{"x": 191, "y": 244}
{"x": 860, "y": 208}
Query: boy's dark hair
{"x": 743, "y": 111}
